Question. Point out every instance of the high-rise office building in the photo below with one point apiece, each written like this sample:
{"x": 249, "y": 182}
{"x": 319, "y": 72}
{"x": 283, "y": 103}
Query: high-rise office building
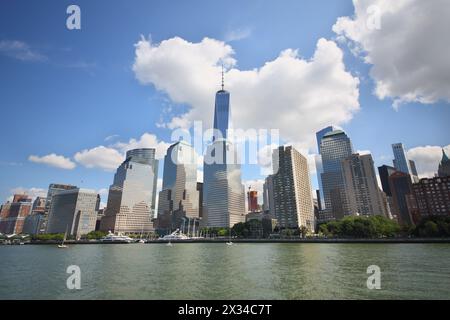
{"x": 293, "y": 201}
{"x": 384, "y": 172}
{"x": 401, "y": 187}
{"x": 444, "y": 166}
{"x": 252, "y": 200}
{"x": 223, "y": 192}
{"x": 414, "y": 174}
{"x": 335, "y": 146}
{"x": 402, "y": 163}
{"x": 179, "y": 192}
{"x": 129, "y": 208}
{"x": 73, "y": 211}
{"x": 53, "y": 189}
{"x": 318, "y": 161}
{"x": 13, "y": 214}
{"x": 35, "y": 222}
{"x": 363, "y": 194}
{"x": 269, "y": 206}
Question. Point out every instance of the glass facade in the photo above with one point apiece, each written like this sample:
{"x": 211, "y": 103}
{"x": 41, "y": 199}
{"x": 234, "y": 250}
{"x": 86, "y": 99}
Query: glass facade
{"x": 130, "y": 201}
{"x": 318, "y": 160}
{"x": 146, "y": 156}
{"x": 222, "y": 113}
{"x": 335, "y": 146}
{"x": 223, "y": 192}
{"x": 179, "y": 190}
{"x": 401, "y": 162}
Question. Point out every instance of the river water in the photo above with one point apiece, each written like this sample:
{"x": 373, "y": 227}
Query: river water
{"x": 218, "y": 271}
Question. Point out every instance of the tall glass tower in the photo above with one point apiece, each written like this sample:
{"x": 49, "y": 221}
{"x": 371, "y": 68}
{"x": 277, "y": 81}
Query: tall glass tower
{"x": 319, "y": 167}
{"x": 223, "y": 192}
{"x": 335, "y": 146}
{"x": 130, "y": 200}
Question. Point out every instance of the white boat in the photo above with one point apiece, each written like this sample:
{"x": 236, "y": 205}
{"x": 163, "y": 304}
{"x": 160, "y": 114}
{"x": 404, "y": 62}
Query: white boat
{"x": 176, "y": 235}
{"x": 120, "y": 238}
{"x": 62, "y": 245}
{"x": 141, "y": 241}
{"x": 169, "y": 244}
{"x": 229, "y": 243}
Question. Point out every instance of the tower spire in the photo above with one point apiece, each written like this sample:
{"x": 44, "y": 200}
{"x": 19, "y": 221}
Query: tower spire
{"x": 223, "y": 85}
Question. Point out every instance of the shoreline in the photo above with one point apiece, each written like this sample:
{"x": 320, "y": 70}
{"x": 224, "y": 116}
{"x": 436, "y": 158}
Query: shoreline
{"x": 345, "y": 241}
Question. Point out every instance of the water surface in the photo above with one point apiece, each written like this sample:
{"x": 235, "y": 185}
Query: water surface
{"x": 217, "y": 271}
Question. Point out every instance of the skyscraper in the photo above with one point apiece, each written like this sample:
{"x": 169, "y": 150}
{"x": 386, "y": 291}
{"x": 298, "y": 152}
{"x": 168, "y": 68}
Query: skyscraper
{"x": 252, "y": 200}
{"x": 73, "y": 210}
{"x": 335, "y": 146}
{"x": 223, "y": 192}
{"x": 318, "y": 160}
{"x": 146, "y": 156}
{"x": 268, "y": 196}
{"x": 363, "y": 194}
{"x": 444, "y": 166}
{"x": 293, "y": 202}
{"x": 401, "y": 162}
{"x": 130, "y": 199}
{"x": 401, "y": 188}
{"x": 179, "y": 192}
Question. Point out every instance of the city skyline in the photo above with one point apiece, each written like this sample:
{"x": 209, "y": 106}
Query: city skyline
{"x": 46, "y": 151}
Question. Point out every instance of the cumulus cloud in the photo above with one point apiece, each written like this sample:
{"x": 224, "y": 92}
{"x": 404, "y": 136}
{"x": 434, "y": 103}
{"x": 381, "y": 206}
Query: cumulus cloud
{"x": 147, "y": 140}
{"x": 20, "y": 50}
{"x": 53, "y": 160}
{"x": 427, "y": 159}
{"x": 289, "y": 93}
{"x": 408, "y": 52}
{"x": 100, "y": 157}
{"x": 110, "y": 157}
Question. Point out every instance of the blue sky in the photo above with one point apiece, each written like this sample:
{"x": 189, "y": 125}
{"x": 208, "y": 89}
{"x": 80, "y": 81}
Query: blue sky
{"x": 75, "y": 88}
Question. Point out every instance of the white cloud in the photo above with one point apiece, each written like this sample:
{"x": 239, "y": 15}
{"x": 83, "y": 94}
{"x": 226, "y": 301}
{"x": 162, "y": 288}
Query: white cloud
{"x": 100, "y": 157}
{"x": 427, "y": 159}
{"x": 409, "y": 53}
{"x": 54, "y": 160}
{"x": 238, "y": 34}
{"x": 20, "y": 50}
{"x": 110, "y": 157}
{"x": 147, "y": 140}
{"x": 32, "y": 192}
{"x": 289, "y": 93}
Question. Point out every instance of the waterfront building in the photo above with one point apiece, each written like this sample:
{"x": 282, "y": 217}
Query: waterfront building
{"x": 53, "y": 189}
{"x": 34, "y": 223}
{"x": 252, "y": 200}
{"x": 13, "y": 214}
{"x": 129, "y": 208}
{"x": 363, "y": 194}
{"x": 146, "y": 156}
{"x": 179, "y": 197}
{"x": 269, "y": 206}
{"x": 318, "y": 160}
{"x": 223, "y": 192}
{"x": 335, "y": 146}
{"x": 293, "y": 201}
{"x": 73, "y": 211}
{"x": 444, "y": 166}
{"x": 384, "y": 172}
{"x": 432, "y": 196}
{"x": 401, "y": 187}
